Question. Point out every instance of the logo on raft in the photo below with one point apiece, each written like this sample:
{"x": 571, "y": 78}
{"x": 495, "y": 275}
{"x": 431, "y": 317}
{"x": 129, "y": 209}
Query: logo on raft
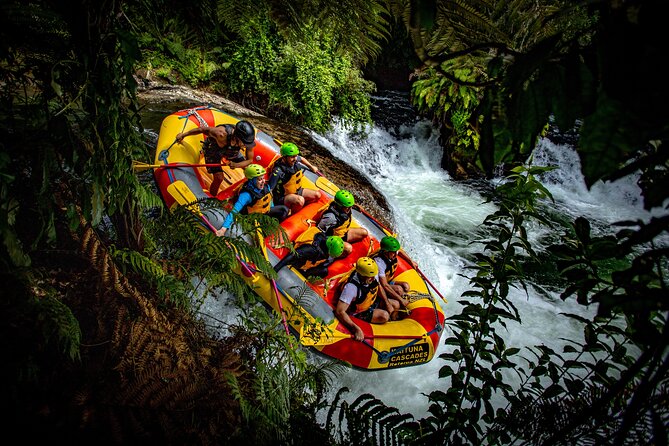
{"x": 414, "y": 354}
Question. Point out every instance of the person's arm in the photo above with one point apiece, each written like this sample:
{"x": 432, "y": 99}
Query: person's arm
{"x": 195, "y": 131}
{"x": 277, "y": 174}
{"x": 327, "y": 221}
{"x": 311, "y": 167}
{"x": 242, "y": 201}
{"x": 390, "y": 290}
{"x": 345, "y": 319}
{"x": 288, "y": 260}
{"x": 249, "y": 160}
{"x": 389, "y": 306}
{"x": 383, "y": 280}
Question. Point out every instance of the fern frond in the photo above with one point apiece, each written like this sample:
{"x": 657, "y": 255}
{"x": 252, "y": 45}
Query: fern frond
{"x": 59, "y": 324}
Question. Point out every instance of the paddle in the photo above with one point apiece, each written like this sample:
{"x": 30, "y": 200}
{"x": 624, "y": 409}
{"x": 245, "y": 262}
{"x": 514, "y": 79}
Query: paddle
{"x": 402, "y": 253}
{"x": 326, "y": 185}
{"x": 374, "y": 220}
{"x": 185, "y": 197}
{"x": 139, "y": 166}
{"x": 283, "y": 314}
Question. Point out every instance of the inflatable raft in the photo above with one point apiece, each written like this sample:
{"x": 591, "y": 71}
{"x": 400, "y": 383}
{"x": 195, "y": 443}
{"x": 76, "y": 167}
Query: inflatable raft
{"x": 308, "y": 308}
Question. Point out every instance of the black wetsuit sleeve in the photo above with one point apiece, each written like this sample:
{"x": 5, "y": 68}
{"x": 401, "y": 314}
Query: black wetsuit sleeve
{"x": 289, "y": 259}
{"x": 277, "y": 174}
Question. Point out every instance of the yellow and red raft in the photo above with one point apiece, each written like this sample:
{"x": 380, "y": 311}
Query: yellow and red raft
{"x": 308, "y": 307}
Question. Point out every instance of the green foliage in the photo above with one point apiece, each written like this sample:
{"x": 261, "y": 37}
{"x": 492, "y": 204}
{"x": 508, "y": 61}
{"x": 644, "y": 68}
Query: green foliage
{"x": 316, "y": 82}
{"x": 153, "y": 273}
{"x": 59, "y": 325}
{"x": 309, "y": 79}
{"x": 453, "y": 105}
{"x": 368, "y": 421}
{"x": 179, "y": 46}
{"x": 479, "y": 355}
{"x": 71, "y": 127}
{"x": 251, "y": 63}
{"x": 634, "y": 289}
{"x": 286, "y": 387}
{"x": 13, "y": 252}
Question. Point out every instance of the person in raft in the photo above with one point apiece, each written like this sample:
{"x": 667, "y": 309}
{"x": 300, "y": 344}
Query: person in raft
{"x": 313, "y": 259}
{"x": 286, "y": 179}
{"x": 224, "y": 144}
{"x": 336, "y": 220}
{"x": 255, "y": 196}
{"x": 361, "y": 296}
{"x": 386, "y": 261}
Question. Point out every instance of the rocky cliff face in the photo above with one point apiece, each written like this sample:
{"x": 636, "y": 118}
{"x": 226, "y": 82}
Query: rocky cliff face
{"x": 159, "y": 100}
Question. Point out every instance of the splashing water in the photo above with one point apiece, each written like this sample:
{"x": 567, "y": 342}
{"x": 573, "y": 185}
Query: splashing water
{"x": 437, "y": 218}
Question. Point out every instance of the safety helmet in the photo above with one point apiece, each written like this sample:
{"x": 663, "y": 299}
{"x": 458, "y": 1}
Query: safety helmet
{"x": 366, "y": 267}
{"x": 335, "y": 245}
{"x": 253, "y": 171}
{"x": 289, "y": 149}
{"x": 389, "y": 243}
{"x": 245, "y": 132}
{"x": 344, "y": 198}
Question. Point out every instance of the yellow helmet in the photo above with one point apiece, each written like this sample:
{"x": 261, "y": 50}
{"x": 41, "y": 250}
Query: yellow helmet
{"x": 366, "y": 267}
{"x": 253, "y": 171}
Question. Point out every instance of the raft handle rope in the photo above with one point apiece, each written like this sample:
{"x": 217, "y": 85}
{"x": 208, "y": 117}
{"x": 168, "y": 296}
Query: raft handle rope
{"x": 166, "y": 153}
{"x": 386, "y": 356}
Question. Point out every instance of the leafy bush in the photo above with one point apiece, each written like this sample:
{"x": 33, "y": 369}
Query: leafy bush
{"x": 305, "y": 79}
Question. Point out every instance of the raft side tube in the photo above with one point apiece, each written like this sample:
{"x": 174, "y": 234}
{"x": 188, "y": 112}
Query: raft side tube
{"x": 303, "y": 295}
{"x": 215, "y": 216}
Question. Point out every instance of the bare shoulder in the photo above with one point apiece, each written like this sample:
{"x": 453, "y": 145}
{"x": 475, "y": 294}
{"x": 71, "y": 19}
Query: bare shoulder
{"x": 218, "y": 131}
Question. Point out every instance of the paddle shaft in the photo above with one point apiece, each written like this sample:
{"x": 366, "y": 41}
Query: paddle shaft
{"x": 142, "y": 166}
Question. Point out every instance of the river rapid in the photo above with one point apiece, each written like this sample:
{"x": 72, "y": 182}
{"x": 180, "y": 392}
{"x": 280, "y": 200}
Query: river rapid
{"x": 437, "y": 219}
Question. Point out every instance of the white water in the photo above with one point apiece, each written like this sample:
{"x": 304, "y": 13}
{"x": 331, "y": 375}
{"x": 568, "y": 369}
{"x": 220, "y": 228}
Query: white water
{"x": 436, "y": 219}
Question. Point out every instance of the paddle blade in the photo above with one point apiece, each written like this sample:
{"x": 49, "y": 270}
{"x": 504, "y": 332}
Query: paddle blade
{"x": 315, "y": 334}
{"x": 309, "y": 341}
{"x": 326, "y": 185}
{"x": 184, "y": 196}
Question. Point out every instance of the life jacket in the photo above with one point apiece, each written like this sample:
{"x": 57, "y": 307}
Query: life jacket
{"x": 308, "y": 235}
{"x": 365, "y": 293}
{"x": 291, "y": 181}
{"x": 342, "y": 218}
{"x": 319, "y": 246}
{"x": 391, "y": 265}
{"x": 261, "y": 201}
{"x": 212, "y": 150}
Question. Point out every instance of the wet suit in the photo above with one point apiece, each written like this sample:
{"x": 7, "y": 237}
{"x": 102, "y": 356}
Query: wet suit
{"x": 312, "y": 259}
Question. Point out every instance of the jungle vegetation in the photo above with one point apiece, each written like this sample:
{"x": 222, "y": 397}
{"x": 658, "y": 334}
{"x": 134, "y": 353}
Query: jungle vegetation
{"x": 98, "y": 327}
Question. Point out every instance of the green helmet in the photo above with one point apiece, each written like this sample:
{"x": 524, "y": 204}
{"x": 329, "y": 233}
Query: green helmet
{"x": 289, "y": 149}
{"x": 389, "y": 243}
{"x": 335, "y": 245}
{"x": 366, "y": 267}
{"x": 253, "y": 171}
{"x": 344, "y": 198}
